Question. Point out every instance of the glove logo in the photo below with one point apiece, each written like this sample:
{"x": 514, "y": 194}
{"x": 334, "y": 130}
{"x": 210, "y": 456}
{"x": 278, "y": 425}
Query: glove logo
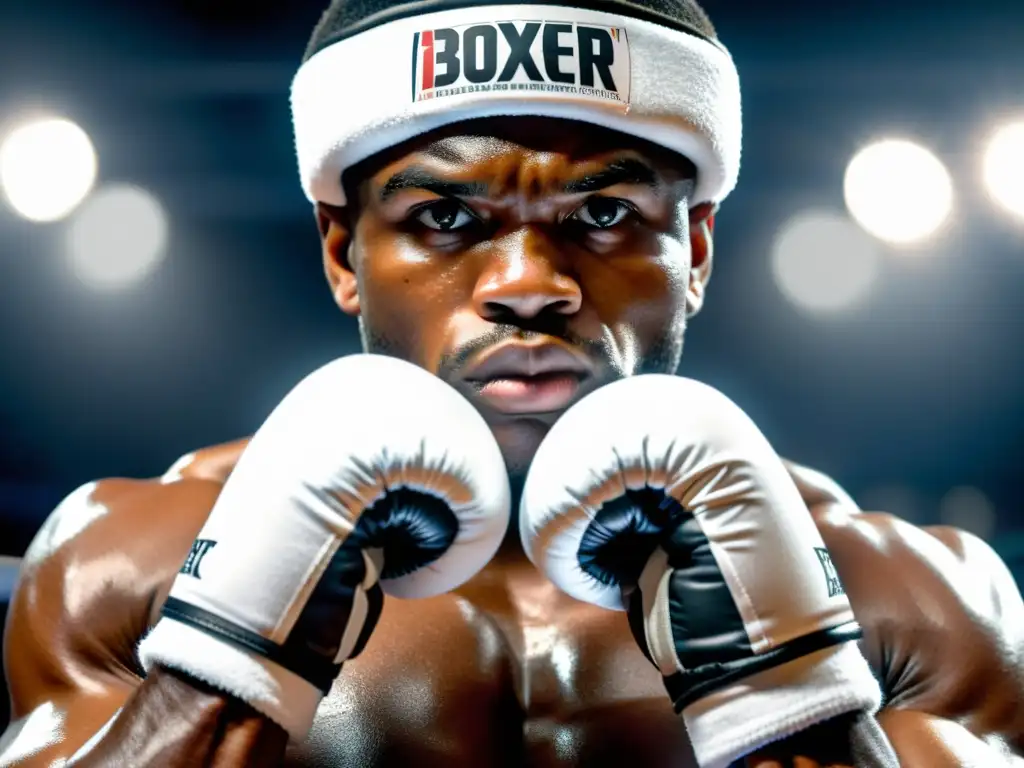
{"x": 200, "y": 549}
{"x": 835, "y": 586}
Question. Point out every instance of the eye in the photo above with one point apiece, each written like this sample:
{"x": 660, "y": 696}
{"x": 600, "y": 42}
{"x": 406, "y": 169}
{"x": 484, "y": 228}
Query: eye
{"x": 445, "y": 216}
{"x": 602, "y": 212}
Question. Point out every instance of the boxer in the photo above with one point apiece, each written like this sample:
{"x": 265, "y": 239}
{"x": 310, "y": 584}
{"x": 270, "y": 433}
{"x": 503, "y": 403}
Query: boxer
{"x": 493, "y": 566}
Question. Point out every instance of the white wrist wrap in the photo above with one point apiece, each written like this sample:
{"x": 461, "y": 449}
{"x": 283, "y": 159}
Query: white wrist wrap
{"x": 780, "y": 702}
{"x": 269, "y": 688}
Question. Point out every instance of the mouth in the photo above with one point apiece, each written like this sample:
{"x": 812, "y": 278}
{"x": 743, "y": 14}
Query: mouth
{"x": 520, "y": 379}
{"x": 530, "y": 394}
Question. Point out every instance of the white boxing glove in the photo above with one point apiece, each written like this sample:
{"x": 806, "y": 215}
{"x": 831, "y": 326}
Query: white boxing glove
{"x": 659, "y": 495}
{"x": 370, "y": 470}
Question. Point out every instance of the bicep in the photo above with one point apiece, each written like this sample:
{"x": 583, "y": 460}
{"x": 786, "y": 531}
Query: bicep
{"x": 67, "y": 631}
{"x": 65, "y": 674}
{"x": 61, "y": 694}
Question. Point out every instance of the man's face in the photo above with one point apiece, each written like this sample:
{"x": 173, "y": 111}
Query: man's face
{"x": 524, "y": 261}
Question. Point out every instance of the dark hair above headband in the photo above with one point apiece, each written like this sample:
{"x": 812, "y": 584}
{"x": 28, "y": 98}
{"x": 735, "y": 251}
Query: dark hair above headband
{"x": 345, "y": 18}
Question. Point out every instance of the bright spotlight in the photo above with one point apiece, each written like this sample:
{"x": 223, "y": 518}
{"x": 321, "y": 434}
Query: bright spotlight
{"x": 1003, "y": 168}
{"x": 47, "y": 167}
{"x": 898, "y": 191}
{"x": 970, "y": 509}
{"x": 823, "y": 263}
{"x": 118, "y": 237}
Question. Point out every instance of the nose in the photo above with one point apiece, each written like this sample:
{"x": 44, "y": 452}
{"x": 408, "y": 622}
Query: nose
{"x": 526, "y": 276}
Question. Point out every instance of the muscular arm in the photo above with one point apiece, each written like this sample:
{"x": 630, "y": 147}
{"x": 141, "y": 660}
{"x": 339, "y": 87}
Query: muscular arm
{"x": 944, "y": 627}
{"x": 90, "y": 583}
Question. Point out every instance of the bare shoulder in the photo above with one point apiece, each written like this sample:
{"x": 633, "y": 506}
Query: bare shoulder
{"x": 943, "y": 620}
{"x": 942, "y": 617}
{"x": 939, "y": 557}
{"x": 930, "y": 558}
{"x": 105, "y": 512}
{"x": 985, "y": 578}
{"x": 214, "y": 462}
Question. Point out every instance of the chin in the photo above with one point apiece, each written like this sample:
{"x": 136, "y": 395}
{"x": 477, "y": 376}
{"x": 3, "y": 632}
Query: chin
{"x": 519, "y": 440}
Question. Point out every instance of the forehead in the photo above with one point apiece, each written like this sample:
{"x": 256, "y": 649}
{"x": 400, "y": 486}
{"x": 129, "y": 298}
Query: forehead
{"x": 477, "y": 145}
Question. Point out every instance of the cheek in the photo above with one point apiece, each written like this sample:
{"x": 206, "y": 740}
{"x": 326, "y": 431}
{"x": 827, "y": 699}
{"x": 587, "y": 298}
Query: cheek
{"x": 669, "y": 278}
{"x": 407, "y": 299}
{"x": 642, "y": 299}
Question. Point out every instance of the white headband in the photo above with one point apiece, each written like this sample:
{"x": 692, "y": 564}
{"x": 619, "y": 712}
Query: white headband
{"x": 390, "y": 83}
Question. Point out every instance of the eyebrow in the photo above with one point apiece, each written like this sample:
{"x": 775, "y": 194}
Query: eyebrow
{"x": 417, "y": 178}
{"x": 625, "y": 171}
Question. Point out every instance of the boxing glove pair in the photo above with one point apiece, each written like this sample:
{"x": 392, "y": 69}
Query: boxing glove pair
{"x": 654, "y": 494}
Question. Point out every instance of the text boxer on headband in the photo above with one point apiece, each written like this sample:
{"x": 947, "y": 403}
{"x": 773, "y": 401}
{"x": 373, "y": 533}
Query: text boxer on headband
{"x": 518, "y": 200}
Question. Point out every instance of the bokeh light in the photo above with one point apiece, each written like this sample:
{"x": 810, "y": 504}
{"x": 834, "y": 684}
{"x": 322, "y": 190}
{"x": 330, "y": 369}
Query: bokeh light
{"x": 900, "y": 500}
{"x": 1003, "y": 168}
{"x": 823, "y": 263}
{"x": 898, "y": 191}
{"x": 47, "y": 168}
{"x": 118, "y": 237}
{"x": 970, "y": 509}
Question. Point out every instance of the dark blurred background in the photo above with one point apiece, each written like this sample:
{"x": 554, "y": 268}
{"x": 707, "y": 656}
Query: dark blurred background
{"x": 907, "y": 385}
